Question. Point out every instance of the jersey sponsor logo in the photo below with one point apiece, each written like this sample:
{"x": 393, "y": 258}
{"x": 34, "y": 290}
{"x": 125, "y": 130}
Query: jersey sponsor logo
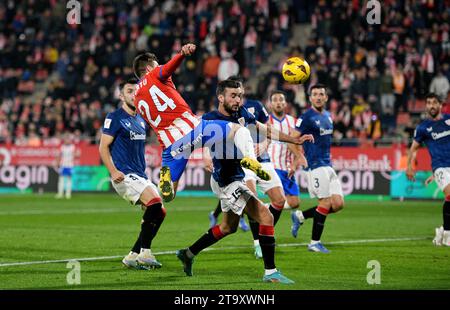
{"x": 107, "y": 123}
{"x": 186, "y": 146}
{"x": 440, "y": 135}
{"x": 324, "y": 132}
{"x": 136, "y": 136}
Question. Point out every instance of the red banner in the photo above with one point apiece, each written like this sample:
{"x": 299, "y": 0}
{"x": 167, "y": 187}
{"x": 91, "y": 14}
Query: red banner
{"x": 45, "y": 155}
{"x": 344, "y": 158}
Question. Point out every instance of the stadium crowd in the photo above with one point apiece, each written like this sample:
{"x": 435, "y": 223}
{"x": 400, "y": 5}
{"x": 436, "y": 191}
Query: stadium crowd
{"x": 57, "y": 77}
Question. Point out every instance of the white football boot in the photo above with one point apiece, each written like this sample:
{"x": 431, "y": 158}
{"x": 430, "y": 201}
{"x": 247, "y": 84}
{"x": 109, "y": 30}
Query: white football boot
{"x": 130, "y": 260}
{"x": 446, "y": 238}
{"x": 146, "y": 258}
{"x": 439, "y": 236}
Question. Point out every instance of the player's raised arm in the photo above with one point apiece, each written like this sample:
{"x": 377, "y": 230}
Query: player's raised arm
{"x": 169, "y": 68}
{"x": 410, "y": 173}
{"x": 275, "y": 134}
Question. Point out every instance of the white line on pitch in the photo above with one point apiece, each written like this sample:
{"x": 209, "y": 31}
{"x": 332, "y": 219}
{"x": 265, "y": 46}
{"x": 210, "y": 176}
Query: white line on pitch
{"x": 209, "y": 249}
{"x": 87, "y": 211}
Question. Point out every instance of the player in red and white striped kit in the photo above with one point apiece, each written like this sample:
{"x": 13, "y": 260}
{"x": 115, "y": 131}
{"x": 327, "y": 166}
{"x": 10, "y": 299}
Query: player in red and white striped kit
{"x": 285, "y": 157}
{"x": 177, "y": 128}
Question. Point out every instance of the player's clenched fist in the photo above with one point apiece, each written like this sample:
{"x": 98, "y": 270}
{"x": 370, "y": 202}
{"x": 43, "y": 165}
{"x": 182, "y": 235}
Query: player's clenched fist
{"x": 188, "y": 49}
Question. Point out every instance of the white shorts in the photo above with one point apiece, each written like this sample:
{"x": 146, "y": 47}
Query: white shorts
{"x": 323, "y": 182}
{"x": 132, "y": 187}
{"x": 233, "y": 197}
{"x": 442, "y": 177}
{"x": 264, "y": 185}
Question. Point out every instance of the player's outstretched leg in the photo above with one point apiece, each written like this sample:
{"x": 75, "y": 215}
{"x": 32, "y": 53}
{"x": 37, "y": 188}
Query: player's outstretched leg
{"x": 166, "y": 185}
{"x": 244, "y": 143}
{"x": 255, "y": 166}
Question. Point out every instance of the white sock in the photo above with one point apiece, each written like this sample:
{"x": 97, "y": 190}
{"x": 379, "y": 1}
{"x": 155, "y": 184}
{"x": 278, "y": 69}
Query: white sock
{"x": 314, "y": 242}
{"x": 244, "y": 142}
{"x": 256, "y": 242}
{"x": 300, "y": 216}
{"x": 69, "y": 187}
{"x": 146, "y": 250}
{"x": 60, "y": 185}
{"x": 269, "y": 271}
{"x": 132, "y": 253}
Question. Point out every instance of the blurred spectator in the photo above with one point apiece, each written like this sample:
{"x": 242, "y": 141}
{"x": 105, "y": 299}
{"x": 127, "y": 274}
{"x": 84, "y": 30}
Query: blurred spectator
{"x": 440, "y": 86}
{"x": 56, "y": 76}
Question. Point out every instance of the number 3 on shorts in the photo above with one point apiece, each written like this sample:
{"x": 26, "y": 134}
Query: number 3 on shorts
{"x": 316, "y": 182}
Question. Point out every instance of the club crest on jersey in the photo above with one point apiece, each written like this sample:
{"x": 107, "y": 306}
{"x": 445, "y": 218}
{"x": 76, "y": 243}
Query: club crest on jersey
{"x": 107, "y": 123}
{"x": 447, "y": 122}
{"x": 430, "y": 129}
{"x": 241, "y": 121}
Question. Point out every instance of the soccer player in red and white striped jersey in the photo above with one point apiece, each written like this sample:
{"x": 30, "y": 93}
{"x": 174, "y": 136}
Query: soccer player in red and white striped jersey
{"x": 285, "y": 157}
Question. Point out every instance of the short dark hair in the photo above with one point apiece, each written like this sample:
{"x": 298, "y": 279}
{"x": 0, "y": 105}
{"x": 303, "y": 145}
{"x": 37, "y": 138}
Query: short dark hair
{"x": 275, "y": 92}
{"x": 433, "y": 96}
{"x": 236, "y": 78}
{"x": 131, "y": 80}
{"x": 318, "y": 86}
{"x": 141, "y": 61}
{"x": 226, "y": 84}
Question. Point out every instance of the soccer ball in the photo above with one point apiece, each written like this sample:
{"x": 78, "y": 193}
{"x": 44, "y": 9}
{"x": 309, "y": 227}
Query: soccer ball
{"x": 296, "y": 70}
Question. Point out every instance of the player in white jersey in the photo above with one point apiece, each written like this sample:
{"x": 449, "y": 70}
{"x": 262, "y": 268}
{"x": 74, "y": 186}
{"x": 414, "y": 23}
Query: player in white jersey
{"x": 286, "y": 158}
{"x": 65, "y": 162}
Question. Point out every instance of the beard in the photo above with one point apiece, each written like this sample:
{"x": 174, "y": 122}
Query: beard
{"x": 319, "y": 108}
{"x": 230, "y": 109}
{"x": 131, "y": 106}
{"x": 433, "y": 113}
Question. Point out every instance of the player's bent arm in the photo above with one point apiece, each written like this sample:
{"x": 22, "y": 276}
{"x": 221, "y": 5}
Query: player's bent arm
{"x": 105, "y": 155}
{"x": 275, "y": 134}
{"x": 412, "y": 158}
{"x": 169, "y": 68}
{"x": 299, "y": 158}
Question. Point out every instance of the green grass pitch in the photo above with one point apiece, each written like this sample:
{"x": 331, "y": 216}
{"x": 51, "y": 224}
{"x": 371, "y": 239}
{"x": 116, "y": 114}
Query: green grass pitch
{"x": 39, "y": 228}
